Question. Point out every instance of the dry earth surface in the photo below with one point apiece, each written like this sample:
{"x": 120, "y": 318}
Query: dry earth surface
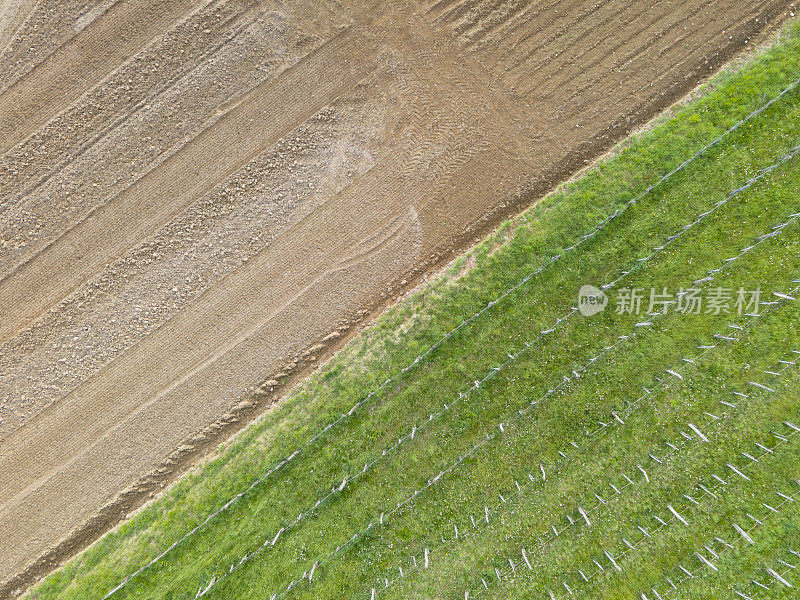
{"x": 199, "y": 199}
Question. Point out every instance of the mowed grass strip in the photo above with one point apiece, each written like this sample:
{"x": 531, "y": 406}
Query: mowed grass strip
{"x": 407, "y": 330}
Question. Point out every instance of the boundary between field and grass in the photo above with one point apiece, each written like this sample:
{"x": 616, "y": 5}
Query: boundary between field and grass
{"x": 338, "y": 488}
{"x": 506, "y": 293}
{"x": 421, "y": 358}
{"x": 378, "y": 522}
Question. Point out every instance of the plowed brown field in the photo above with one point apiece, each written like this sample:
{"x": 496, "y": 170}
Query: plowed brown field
{"x": 201, "y": 197}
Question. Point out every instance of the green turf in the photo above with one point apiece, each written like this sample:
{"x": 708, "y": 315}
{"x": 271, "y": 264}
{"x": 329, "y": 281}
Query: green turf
{"x": 569, "y": 381}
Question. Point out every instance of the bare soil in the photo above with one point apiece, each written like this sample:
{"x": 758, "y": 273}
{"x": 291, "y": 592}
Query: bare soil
{"x": 200, "y": 199}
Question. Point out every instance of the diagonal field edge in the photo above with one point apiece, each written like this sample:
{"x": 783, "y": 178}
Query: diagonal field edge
{"x": 585, "y": 237}
{"x": 776, "y": 230}
{"x": 760, "y": 173}
{"x": 637, "y": 264}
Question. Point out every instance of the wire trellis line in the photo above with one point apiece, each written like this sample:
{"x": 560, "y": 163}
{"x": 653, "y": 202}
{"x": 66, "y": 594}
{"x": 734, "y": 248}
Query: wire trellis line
{"x": 506, "y": 575}
{"x": 775, "y": 575}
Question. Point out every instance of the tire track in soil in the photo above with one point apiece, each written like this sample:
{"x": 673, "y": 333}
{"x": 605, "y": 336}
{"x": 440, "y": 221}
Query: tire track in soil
{"x": 511, "y": 52}
{"x": 490, "y": 25}
{"x": 584, "y": 35}
{"x": 13, "y": 17}
{"x": 48, "y": 210}
{"x": 69, "y": 20}
{"x": 268, "y": 294}
{"x": 741, "y": 31}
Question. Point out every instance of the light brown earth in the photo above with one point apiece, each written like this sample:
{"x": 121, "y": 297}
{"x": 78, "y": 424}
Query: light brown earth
{"x": 201, "y": 197}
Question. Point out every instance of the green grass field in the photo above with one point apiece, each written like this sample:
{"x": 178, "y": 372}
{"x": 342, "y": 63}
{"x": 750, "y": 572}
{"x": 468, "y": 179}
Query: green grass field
{"x": 536, "y": 452}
